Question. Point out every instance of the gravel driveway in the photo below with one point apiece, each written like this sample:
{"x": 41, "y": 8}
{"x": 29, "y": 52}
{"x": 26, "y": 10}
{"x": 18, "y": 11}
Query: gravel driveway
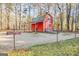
{"x": 28, "y": 39}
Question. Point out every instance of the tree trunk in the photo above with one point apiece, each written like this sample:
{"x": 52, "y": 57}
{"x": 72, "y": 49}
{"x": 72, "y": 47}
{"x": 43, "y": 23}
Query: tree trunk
{"x": 20, "y": 18}
{"x": 72, "y": 25}
{"x": 16, "y": 16}
{"x": 29, "y": 18}
{"x": 60, "y": 17}
{"x": 1, "y": 17}
{"x": 68, "y": 15}
{"x": 61, "y": 22}
{"x": 8, "y": 14}
{"x": 68, "y": 18}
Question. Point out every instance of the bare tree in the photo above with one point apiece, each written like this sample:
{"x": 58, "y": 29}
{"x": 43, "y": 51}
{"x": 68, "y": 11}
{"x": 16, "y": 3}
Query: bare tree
{"x": 60, "y": 9}
{"x": 55, "y": 12}
{"x": 68, "y": 10}
{"x": 8, "y": 9}
{"x": 1, "y": 15}
{"x": 72, "y": 24}
{"x": 16, "y": 15}
{"x": 20, "y": 17}
{"x": 29, "y": 7}
{"x": 76, "y": 19}
{"x": 48, "y": 7}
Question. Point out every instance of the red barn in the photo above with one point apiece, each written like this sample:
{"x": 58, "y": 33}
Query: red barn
{"x": 42, "y": 23}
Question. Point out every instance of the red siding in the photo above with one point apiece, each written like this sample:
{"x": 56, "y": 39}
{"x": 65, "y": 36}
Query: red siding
{"x": 33, "y": 27}
{"x": 40, "y": 26}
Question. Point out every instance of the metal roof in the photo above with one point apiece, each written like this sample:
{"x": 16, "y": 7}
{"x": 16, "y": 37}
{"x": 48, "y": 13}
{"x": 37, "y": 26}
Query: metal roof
{"x": 38, "y": 19}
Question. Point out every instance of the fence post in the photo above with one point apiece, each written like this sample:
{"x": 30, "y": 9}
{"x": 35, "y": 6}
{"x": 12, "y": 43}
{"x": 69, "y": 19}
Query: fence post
{"x": 14, "y": 38}
{"x": 57, "y": 31}
{"x": 57, "y": 36}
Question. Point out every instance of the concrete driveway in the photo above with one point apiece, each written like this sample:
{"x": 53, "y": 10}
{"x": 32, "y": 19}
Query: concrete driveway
{"x": 26, "y": 40}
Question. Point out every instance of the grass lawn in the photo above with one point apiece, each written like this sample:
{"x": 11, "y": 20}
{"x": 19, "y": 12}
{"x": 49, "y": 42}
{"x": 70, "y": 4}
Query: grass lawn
{"x": 66, "y": 48}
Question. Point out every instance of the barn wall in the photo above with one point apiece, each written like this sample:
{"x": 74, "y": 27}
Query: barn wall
{"x": 40, "y": 26}
{"x": 48, "y": 24}
{"x": 33, "y": 27}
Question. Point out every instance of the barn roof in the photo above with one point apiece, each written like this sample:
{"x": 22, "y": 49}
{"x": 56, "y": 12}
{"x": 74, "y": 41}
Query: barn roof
{"x": 38, "y": 19}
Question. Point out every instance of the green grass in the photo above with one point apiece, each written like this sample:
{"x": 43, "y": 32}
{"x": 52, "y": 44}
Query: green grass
{"x": 66, "y": 48}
